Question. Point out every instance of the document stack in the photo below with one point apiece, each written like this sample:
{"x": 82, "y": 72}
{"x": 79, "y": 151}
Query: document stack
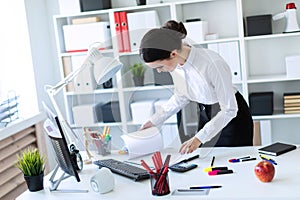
{"x": 291, "y": 103}
{"x": 9, "y": 109}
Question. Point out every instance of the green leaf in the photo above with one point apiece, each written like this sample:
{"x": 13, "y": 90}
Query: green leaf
{"x": 31, "y": 163}
{"x": 138, "y": 69}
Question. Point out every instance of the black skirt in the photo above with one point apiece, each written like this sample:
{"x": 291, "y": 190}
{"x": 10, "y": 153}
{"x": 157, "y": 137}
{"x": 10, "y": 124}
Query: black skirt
{"x": 238, "y": 132}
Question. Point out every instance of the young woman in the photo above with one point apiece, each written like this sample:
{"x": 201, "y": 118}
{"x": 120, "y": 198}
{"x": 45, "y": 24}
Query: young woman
{"x": 202, "y": 76}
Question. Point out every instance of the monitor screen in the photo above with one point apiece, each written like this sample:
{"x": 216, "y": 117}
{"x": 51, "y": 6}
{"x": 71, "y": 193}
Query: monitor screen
{"x": 63, "y": 156}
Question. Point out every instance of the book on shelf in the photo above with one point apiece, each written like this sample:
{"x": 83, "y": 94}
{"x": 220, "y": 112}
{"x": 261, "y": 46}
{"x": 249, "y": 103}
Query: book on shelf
{"x": 291, "y": 95}
{"x": 67, "y": 67}
{"x": 286, "y": 105}
{"x": 291, "y": 111}
{"x": 291, "y": 100}
{"x": 85, "y": 20}
{"x": 277, "y": 149}
{"x": 292, "y": 108}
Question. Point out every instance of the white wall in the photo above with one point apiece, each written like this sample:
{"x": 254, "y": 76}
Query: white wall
{"x": 44, "y": 57}
{"x": 39, "y": 18}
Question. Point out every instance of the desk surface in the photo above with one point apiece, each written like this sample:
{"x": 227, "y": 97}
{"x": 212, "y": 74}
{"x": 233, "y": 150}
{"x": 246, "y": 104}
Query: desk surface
{"x": 242, "y": 184}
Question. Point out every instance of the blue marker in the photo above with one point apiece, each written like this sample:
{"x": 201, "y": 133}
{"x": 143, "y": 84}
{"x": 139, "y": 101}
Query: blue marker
{"x": 206, "y": 187}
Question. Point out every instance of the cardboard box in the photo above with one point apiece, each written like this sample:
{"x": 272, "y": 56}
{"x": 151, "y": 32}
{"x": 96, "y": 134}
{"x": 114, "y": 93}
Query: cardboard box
{"x": 79, "y": 37}
{"x": 86, "y": 114}
{"x": 292, "y": 64}
{"x": 142, "y": 111}
{"x": 196, "y": 31}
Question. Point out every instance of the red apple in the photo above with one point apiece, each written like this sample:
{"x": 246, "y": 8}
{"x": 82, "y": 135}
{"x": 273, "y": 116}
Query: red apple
{"x": 264, "y": 171}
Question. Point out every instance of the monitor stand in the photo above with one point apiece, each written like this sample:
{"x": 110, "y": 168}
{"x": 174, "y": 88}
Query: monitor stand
{"x": 55, "y": 183}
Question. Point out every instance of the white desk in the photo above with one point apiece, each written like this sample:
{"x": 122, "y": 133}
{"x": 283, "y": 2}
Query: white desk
{"x": 242, "y": 184}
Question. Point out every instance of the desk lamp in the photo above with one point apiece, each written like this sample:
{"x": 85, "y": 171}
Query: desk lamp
{"x": 103, "y": 69}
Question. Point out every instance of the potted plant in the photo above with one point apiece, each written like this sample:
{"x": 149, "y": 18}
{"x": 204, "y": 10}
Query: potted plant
{"x": 32, "y": 164}
{"x": 138, "y": 71}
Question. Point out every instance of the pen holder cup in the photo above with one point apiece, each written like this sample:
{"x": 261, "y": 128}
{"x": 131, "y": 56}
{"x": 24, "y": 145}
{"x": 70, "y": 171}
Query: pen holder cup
{"x": 159, "y": 184}
{"x": 103, "y": 147}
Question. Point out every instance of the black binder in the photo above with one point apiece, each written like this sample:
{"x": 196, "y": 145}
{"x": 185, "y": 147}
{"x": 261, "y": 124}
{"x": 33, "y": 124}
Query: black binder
{"x": 276, "y": 149}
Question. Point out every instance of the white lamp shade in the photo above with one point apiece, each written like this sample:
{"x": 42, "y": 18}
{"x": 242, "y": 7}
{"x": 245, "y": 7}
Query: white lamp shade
{"x": 105, "y": 68}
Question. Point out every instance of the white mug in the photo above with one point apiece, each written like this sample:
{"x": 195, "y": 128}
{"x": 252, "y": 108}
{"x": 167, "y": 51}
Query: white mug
{"x": 103, "y": 181}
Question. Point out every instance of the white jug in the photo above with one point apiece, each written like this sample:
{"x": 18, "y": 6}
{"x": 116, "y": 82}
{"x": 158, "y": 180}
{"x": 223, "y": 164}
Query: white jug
{"x": 291, "y": 17}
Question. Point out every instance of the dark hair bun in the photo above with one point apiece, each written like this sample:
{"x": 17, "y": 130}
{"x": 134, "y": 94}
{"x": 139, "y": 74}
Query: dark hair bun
{"x": 176, "y": 26}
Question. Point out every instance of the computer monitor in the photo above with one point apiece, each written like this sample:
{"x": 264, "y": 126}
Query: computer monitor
{"x": 66, "y": 158}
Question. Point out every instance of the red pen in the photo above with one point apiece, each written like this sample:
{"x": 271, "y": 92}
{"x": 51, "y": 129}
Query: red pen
{"x": 159, "y": 159}
{"x": 144, "y": 164}
{"x": 156, "y": 164}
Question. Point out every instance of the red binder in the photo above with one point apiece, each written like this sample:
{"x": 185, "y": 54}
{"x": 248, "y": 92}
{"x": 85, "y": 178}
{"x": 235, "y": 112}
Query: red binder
{"x": 125, "y": 31}
{"x": 118, "y": 31}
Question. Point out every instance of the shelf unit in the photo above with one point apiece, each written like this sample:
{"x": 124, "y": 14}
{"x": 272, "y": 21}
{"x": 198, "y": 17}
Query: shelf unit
{"x": 262, "y": 64}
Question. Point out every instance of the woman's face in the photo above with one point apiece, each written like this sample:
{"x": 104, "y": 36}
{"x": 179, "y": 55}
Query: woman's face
{"x": 166, "y": 65}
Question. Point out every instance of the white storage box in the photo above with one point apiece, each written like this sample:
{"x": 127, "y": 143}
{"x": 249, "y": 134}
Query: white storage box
{"x": 79, "y": 37}
{"x": 158, "y": 104}
{"x": 84, "y": 81}
{"x": 86, "y": 114}
{"x": 196, "y": 31}
{"x": 292, "y": 66}
{"x": 138, "y": 24}
{"x": 230, "y": 53}
{"x": 67, "y": 7}
{"x": 142, "y": 111}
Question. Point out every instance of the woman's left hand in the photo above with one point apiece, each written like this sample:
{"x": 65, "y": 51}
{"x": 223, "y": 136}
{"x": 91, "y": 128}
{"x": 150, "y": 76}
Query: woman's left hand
{"x": 148, "y": 124}
{"x": 190, "y": 145}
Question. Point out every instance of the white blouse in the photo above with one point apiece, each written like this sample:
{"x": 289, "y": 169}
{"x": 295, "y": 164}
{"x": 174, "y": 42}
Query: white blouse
{"x": 204, "y": 78}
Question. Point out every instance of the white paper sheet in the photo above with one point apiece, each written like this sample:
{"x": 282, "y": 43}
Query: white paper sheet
{"x": 143, "y": 142}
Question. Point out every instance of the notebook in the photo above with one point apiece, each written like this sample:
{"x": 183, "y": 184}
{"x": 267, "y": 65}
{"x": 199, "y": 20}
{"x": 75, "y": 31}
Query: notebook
{"x": 276, "y": 149}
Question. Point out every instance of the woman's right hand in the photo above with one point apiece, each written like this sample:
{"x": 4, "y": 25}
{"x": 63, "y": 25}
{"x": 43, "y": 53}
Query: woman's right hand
{"x": 146, "y": 125}
{"x": 190, "y": 145}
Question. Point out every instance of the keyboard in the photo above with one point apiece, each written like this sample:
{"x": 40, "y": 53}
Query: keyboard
{"x": 123, "y": 169}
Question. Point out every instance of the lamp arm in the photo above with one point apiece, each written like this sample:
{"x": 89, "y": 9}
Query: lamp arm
{"x": 53, "y": 90}
{"x": 69, "y": 78}
{"x": 94, "y": 58}
{"x": 93, "y": 55}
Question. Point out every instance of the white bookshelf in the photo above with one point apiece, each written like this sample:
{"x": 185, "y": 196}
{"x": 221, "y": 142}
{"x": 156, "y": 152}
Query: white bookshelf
{"x": 262, "y": 61}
